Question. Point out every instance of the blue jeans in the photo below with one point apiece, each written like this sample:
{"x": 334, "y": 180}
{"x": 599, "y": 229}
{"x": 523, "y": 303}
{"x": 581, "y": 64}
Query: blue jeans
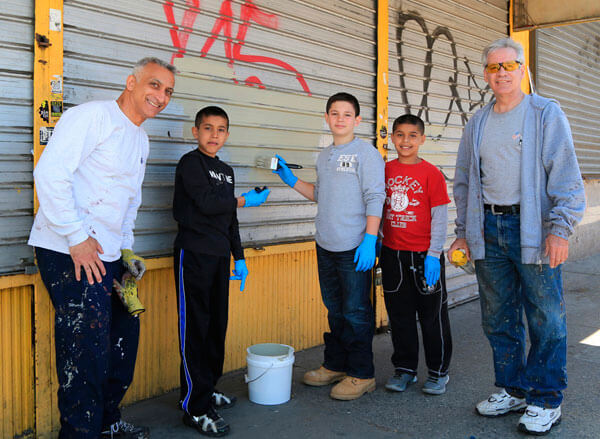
{"x": 508, "y": 287}
{"x": 346, "y": 295}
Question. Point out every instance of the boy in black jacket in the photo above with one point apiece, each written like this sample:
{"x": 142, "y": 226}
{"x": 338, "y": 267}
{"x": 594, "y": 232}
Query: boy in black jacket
{"x": 204, "y": 207}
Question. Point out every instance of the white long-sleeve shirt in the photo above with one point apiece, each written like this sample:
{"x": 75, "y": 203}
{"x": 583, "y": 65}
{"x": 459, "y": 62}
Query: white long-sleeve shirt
{"x": 89, "y": 179}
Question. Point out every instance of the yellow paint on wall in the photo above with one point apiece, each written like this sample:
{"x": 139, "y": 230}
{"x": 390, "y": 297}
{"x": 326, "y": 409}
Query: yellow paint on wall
{"x": 17, "y": 397}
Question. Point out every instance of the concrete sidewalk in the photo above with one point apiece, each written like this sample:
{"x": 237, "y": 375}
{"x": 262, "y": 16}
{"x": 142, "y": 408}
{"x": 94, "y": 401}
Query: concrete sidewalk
{"x": 311, "y": 413}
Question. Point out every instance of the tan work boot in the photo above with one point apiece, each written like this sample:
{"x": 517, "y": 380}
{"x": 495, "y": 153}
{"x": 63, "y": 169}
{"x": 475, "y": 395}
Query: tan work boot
{"x": 322, "y": 376}
{"x": 352, "y": 388}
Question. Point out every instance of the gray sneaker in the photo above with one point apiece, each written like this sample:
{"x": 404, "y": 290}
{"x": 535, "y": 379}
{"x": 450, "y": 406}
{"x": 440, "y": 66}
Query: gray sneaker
{"x": 435, "y": 385}
{"x": 400, "y": 381}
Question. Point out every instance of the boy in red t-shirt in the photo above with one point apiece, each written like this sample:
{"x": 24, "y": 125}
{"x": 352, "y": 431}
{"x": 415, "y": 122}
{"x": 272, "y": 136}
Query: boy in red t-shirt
{"x": 412, "y": 261}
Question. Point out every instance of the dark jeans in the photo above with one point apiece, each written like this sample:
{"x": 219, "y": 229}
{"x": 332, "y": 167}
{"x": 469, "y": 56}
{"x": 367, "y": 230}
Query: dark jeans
{"x": 202, "y": 283}
{"x": 346, "y": 295}
{"x": 96, "y": 343}
{"x": 403, "y": 276}
{"x": 508, "y": 287}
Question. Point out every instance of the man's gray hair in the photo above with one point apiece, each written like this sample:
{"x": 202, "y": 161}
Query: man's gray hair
{"x": 504, "y": 43}
{"x": 138, "y": 67}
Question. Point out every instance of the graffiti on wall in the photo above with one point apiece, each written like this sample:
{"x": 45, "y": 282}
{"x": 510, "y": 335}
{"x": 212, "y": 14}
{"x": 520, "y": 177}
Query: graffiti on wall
{"x": 249, "y": 14}
{"x": 476, "y": 94}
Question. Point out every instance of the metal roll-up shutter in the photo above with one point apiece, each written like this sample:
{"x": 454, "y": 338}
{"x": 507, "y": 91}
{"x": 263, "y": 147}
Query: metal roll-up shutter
{"x": 436, "y": 73}
{"x": 270, "y": 64}
{"x": 567, "y": 59}
{"x": 16, "y": 121}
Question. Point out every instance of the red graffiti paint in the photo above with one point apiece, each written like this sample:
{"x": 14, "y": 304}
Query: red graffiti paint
{"x": 249, "y": 13}
{"x": 252, "y": 81}
{"x": 180, "y": 37}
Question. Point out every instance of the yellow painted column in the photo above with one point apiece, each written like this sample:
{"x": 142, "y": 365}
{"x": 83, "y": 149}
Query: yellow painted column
{"x": 383, "y": 24}
{"x": 47, "y": 73}
{"x": 47, "y": 109}
{"x": 382, "y": 76}
{"x": 523, "y": 38}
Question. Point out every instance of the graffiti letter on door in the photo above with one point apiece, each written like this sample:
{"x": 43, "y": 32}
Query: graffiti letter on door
{"x": 249, "y": 13}
{"x": 431, "y": 38}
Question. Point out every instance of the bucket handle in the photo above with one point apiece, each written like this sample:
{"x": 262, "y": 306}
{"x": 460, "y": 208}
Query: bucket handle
{"x": 248, "y": 381}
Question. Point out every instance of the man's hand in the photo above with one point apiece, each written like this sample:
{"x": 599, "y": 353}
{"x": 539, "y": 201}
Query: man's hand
{"x": 558, "y": 250}
{"x": 459, "y": 243}
{"x": 135, "y": 264}
{"x": 85, "y": 255}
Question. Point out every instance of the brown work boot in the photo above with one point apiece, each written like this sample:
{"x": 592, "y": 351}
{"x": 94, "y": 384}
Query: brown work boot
{"x": 322, "y": 376}
{"x": 352, "y": 388}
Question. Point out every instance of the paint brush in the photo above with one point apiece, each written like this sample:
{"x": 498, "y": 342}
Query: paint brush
{"x": 273, "y": 163}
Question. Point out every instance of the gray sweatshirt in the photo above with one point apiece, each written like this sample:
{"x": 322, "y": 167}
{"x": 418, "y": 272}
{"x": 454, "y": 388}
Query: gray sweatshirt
{"x": 350, "y": 186}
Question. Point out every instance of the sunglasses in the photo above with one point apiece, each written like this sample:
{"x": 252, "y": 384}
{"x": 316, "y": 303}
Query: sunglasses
{"x": 509, "y": 66}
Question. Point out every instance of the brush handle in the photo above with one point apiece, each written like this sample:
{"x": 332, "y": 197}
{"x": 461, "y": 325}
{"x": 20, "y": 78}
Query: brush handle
{"x": 293, "y": 166}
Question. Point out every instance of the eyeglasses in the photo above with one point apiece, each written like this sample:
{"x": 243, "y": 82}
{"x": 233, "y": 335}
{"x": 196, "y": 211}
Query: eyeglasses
{"x": 509, "y": 66}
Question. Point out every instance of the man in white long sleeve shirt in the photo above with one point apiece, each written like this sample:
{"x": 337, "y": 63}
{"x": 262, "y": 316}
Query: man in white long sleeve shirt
{"x": 88, "y": 182}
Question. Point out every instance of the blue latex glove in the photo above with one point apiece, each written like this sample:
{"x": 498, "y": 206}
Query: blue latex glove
{"x": 284, "y": 172}
{"x": 240, "y": 272}
{"x": 365, "y": 253}
{"x": 432, "y": 270}
{"x": 254, "y": 198}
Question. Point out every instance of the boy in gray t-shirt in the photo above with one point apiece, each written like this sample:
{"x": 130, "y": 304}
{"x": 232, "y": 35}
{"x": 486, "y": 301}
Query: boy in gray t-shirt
{"x": 350, "y": 191}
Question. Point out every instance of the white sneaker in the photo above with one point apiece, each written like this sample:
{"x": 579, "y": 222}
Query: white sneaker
{"x": 499, "y": 404}
{"x": 538, "y": 420}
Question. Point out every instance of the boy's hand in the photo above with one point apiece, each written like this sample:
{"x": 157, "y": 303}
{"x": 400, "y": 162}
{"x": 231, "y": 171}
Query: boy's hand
{"x": 365, "y": 253}
{"x": 240, "y": 272}
{"x": 284, "y": 172}
{"x": 134, "y": 263}
{"x": 254, "y": 199}
{"x": 432, "y": 270}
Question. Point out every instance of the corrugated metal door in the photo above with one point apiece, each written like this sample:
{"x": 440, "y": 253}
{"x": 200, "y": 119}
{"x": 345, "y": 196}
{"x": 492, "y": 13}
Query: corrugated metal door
{"x": 436, "y": 73}
{"x": 270, "y": 64}
{"x": 567, "y": 60}
{"x": 16, "y": 161}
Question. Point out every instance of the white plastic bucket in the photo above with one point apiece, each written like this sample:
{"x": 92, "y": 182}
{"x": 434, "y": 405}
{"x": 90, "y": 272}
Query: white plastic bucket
{"x": 269, "y": 375}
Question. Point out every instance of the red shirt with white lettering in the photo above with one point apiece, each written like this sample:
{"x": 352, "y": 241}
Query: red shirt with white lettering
{"x": 411, "y": 191}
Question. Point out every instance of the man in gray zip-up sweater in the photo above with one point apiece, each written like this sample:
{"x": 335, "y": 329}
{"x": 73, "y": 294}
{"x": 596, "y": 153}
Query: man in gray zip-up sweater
{"x": 350, "y": 192}
{"x": 519, "y": 194}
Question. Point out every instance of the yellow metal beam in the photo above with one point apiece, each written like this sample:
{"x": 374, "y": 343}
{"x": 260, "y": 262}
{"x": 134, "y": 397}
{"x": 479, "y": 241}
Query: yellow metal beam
{"x": 523, "y": 38}
{"x": 534, "y": 14}
{"x": 382, "y": 76}
{"x": 47, "y": 109}
{"x": 383, "y": 25}
{"x": 47, "y": 73}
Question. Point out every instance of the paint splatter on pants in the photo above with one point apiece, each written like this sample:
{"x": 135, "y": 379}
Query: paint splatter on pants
{"x": 507, "y": 288}
{"x": 96, "y": 343}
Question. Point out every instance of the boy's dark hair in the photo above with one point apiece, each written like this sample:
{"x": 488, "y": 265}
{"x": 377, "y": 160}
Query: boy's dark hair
{"x": 211, "y": 110}
{"x": 410, "y": 119}
{"x": 346, "y": 97}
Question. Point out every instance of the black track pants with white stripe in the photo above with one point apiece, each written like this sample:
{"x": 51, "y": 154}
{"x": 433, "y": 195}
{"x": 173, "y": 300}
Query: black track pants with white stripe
{"x": 402, "y": 284}
{"x": 202, "y": 283}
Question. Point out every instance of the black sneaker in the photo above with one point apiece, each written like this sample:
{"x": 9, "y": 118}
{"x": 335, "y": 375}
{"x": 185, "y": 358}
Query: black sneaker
{"x": 219, "y": 401}
{"x": 125, "y": 430}
{"x": 208, "y": 424}
{"x": 222, "y": 401}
